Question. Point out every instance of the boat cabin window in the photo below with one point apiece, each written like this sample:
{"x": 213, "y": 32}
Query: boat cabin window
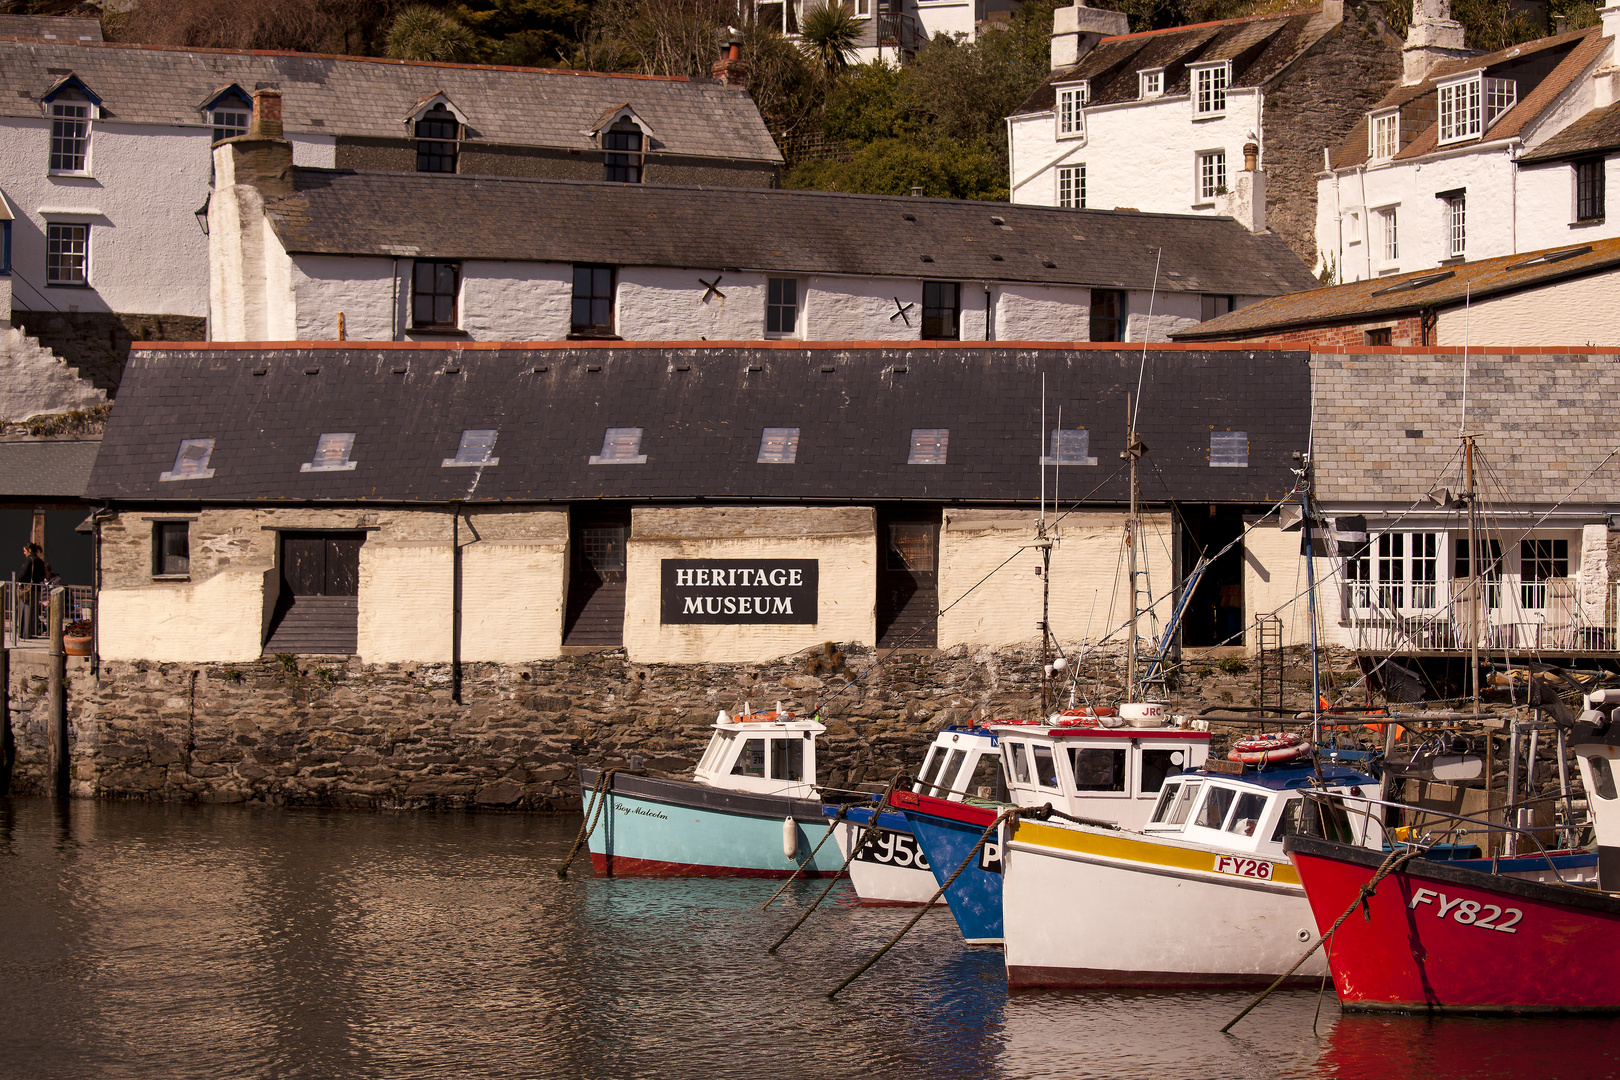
{"x": 1174, "y": 804}
{"x": 1158, "y": 764}
{"x": 946, "y": 782}
{"x": 1020, "y": 764}
{"x": 1602, "y": 777}
{"x": 986, "y": 781}
{"x": 930, "y": 769}
{"x": 1251, "y": 806}
{"x": 1098, "y": 768}
{"x": 1045, "y": 767}
{"x": 750, "y": 759}
{"x": 1323, "y": 819}
{"x": 787, "y": 759}
{"x": 1167, "y": 797}
{"x": 1216, "y": 804}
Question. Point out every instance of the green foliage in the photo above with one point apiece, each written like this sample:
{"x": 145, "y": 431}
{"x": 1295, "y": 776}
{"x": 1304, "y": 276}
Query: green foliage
{"x": 424, "y": 33}
{"x": 288, "y": 662}
{"x": 828, "y": 36}
{"x": 1232, "y": 665}
{"x": 527, "y": 33}
{"x": 944, "y": 169}
{"x": 866, "y": 104}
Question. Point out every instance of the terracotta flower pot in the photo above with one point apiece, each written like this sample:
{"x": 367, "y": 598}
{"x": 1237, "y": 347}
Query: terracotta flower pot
{"x": 76, "y": 646}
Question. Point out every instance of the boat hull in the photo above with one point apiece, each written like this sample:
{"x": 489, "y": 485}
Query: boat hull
{"x": 892, "y": 870}
{"x": 1558, "y": 955}
{"x": 1084, "y": 907}
{"x": 946, "y": 832}
{"x": 655, "y": 827}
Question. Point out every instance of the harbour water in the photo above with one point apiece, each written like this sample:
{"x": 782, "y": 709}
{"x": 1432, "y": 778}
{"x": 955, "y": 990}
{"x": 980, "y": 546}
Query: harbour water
{"x": 176, "y": 941}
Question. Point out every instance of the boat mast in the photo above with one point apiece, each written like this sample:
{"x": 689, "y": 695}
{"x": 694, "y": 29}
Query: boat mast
{"x": 1310, "y": 596}
{"x": 1133, "y": 451}
{"x": 1476, "y": 565}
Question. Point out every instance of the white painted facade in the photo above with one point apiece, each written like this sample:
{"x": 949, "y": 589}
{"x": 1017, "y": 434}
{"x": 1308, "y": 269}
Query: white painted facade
{"x": 893, "y": 30}
{"x": 1510, "y": 207}
{"x": 1580, "y": 311}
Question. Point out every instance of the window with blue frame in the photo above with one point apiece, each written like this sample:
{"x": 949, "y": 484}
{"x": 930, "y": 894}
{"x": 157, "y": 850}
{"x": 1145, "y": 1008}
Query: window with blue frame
{"x": 5, "y": 247}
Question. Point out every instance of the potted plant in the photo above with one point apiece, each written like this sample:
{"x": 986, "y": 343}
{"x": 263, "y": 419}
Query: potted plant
{"x": 76, "y": 638}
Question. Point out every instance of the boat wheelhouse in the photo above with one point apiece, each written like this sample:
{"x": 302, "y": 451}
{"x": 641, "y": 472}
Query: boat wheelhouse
{"x": 745, "y": 815}
{"x": 1201, "y": 895}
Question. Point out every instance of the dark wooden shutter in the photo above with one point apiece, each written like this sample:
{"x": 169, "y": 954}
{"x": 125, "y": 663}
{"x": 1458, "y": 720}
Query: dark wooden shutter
{"x": 318, "y": 611}
{"x": 596, "y": 578}
{"x": 908, "y": 578}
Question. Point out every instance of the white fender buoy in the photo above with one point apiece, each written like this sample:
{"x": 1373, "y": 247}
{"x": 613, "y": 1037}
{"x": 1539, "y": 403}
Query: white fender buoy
{"x": 790, "y": 838}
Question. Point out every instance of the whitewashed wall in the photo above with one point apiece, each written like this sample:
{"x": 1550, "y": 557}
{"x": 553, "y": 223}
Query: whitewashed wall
{"x": 1577, "y": 312}
{"x": 1138, "y": 154}
{"x": 364, "y": 290}
{"x": 661, "y": 304}
{"x": 513, "y": 301}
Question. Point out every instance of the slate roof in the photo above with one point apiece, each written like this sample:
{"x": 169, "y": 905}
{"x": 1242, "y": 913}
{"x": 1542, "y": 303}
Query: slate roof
{"x": 1386, "y": 428}
{"x": 1549, "y": 65}
{"x": 1383, "y": 296}
{"x": 457, "y": 217}
{"x": 702, "y": 412}
{"x": 1260, "y": 48}
{"x": 1594, "y": 133}
{"x": 366, "y": 96}
{"x": 50, "y": 27}
{"x": 46, "y": 470}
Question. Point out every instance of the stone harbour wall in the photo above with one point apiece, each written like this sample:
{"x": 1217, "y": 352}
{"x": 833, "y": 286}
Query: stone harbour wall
{"x": 307, "y": 731}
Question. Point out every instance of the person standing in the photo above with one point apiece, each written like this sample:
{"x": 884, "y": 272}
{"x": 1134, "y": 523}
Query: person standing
{"x": 32, "y": 573}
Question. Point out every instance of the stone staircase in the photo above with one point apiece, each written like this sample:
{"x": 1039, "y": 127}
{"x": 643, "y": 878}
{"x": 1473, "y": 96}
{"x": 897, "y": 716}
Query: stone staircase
{"x": 34, "y": 381}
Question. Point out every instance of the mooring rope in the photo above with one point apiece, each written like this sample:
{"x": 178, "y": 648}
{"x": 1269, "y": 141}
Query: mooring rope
{"x": 854, "y": 849}
{"x": 588, "y": 824}
{"x": 1397, "y": 859}
{"x": 984, "y": 837}
{"x": 797, "y": 870}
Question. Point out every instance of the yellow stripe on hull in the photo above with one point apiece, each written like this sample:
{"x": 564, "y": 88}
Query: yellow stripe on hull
{"x": 1134, "y": 848}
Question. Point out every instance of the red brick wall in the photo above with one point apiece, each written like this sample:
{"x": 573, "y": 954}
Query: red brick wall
{"x": 1403, "y": 331}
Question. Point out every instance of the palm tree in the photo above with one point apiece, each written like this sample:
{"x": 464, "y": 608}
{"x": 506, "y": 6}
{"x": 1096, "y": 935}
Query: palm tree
{"x": 828, "y": 36}
{"x": 424, "y": 33}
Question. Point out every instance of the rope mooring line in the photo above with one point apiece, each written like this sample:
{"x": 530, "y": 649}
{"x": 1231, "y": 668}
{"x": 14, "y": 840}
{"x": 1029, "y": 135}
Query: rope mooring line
{"x": 854, "y": 849}
{"x": 984, "y": 837}
{"x": 587, "y": 824}
{"x": 1394, "y": 862}
{"x": 797, "y": 870}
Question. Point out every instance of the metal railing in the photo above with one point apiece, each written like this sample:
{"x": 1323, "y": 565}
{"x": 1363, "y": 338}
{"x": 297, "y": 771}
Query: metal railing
{"x": 26, "y": 610}
{"x": 1516, "y": 622}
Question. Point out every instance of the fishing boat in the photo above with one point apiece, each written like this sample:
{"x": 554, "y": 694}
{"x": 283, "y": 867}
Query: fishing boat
{"x": 891, "y": 868}
{"x": 1073, "y": 762}
{"x": 1201, "y": 896}
{"x": 1436, "y": 935}
{"x": 747, "y": 812}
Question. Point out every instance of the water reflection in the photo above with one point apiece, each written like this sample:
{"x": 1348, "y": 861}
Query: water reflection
{"x": 171, "y": 941}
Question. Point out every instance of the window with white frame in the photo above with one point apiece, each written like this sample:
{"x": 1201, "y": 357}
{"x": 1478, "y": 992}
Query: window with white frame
{"x": 230, "y": 118}
{"x": 1071, "y": 109}
{"x": 70, "y": 136}
{"x": 1459, "y": 111}
{"x": 1072, "y": 186}
{"x": 1540, "y": 561}
{"x": 67, "y": 254}
{"x": 1500, "y": 96}
{"x": 1391, "y": 241}
{"x": 1211, "y": 174}
{"x": 1457, "y": 225}
{"x": 1384, "y": 136}
{"x": 1151, "y": 83}
{"x": 1395, "y": 572}
{"x": 1209, "y": 89}
{"x": 1491, "y": 572}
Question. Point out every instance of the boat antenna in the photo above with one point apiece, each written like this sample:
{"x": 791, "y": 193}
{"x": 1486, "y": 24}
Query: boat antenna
{"x": 1468, "y": 295}
{"x": 1147, "y": 332}
{"x": 1304, "y": 474}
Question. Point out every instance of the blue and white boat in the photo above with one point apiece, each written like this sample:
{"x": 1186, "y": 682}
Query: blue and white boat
{"x": 752, "y": 809}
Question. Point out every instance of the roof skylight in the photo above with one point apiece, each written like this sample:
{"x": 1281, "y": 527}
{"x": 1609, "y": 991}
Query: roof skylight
{"x": 1069, "y": 446}
{"x": 1552, "y": 257}
{"x": 1414, "y": 283}
{"x": 476, "y": 444}
{"x": 1229, "y": 449}
{"x": 191, "y": 462}
{"x": 779, "y": 446}
{"x": 620, "y": 446}
{"x": 928, "y": 446}
{"x": 331, "y": 453}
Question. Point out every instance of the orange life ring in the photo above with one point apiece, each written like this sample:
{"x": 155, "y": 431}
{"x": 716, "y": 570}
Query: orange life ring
{"x": 1269, "y": 749}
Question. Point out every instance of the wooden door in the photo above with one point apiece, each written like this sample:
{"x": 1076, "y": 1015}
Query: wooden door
{"x": 596, "y": 578}
{"x": 318, "y": 611}
{"x": 320, "y": 564}
{"x": 908, "y": 579}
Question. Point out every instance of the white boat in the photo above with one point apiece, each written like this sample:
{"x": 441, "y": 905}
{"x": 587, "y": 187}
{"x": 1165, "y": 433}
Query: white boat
{"x": 1201, "y": 895}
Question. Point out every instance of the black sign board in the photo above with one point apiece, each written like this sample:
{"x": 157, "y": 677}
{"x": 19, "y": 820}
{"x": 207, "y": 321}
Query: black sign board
{"x": 733, "y": 591}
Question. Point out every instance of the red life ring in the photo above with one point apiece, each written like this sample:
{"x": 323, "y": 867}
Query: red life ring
{"x": 1089, "y": 717}
{"x": 1270, "y": 749}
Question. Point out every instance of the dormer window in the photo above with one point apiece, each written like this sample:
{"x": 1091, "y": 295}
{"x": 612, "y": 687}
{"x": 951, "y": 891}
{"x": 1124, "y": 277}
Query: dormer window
{"x": 437, "y": 136}
{"x": 622, "y": 146}
{"x": 1500, "y": 96}
{"x": 230, "y": 118}
{"x": 1209, "y": 89}
{"x": 70, "y": 134}
{"x": 1151, "y": 83}
{"x": 1071, "y": 109}
{"x": 1461, "y": 113}
{"x": 1384, "y": 135}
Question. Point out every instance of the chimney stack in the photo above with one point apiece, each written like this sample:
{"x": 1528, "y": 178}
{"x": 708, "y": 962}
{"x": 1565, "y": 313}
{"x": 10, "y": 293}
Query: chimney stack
{"x": 1433, "y": 36}
{"x": 1076, "y": 31}
{"x": 266, "y": 121}
{"x": 250, "y": 172}
{"x": 731, "y": 68}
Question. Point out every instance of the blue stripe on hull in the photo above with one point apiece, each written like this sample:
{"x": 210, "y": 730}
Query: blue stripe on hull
{"x": 648, "y": 831}
{"x": 975, "y": 895}
{"x": 862, "y": 815}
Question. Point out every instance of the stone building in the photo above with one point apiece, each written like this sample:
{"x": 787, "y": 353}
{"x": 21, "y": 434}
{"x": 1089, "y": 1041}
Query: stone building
{"x": 1557, "y": 298}
{"x": 105, "y": 159}
{"x": 301, "y": 254}
{"x": 1475, "y": 156}
{"x": 1220, "y": 118}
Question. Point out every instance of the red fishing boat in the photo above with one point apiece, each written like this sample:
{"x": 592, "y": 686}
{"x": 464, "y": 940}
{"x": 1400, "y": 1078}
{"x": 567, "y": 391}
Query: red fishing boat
{"x": 1437, "y": 937}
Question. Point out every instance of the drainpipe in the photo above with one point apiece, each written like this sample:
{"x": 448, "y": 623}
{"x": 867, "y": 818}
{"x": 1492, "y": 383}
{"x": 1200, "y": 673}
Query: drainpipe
{"x": 987, "y": 335}
{"x": 455, "y": 602}
{"x": 393, "y": 305}
{"x": 1366, "y": 223}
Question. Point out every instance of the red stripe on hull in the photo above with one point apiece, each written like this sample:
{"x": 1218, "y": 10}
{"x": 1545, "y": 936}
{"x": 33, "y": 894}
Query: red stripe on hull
{"x": 1031, "y": 976}
{"x": 1406, "y": 956}
{"x": 626, "y": 867}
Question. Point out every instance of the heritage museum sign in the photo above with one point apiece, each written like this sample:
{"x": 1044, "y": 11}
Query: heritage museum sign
{"x": 731, "y": 591}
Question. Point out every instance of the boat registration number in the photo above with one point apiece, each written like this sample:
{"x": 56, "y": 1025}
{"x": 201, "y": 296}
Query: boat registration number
{"x": 1468, "y": 912}
{"x": 1240, "y": 867}
{"x": 894, "y": 849}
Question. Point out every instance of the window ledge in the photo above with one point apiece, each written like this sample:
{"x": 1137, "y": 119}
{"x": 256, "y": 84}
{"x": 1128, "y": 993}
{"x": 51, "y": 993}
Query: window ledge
{"x": 1202, "y": 206}
{"x": 1587, "y": 224}
{"x": 1452, "y": 260}
{"x": 171, "y": 577}
{"x": 589, "y": 335}
{"x": 67, "y": 285}
{"x": 1199, "y": 117}
{"x": 440, "y": 331}
{"x": 71, "y": 174}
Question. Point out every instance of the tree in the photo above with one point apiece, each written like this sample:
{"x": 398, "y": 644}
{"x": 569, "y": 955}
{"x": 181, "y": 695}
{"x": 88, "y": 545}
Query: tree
{"x": 528, "y": 33}
{"x": 829, "y": 35}
{"x": 423, "y": 33}
{"x": 894, "y": 166}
